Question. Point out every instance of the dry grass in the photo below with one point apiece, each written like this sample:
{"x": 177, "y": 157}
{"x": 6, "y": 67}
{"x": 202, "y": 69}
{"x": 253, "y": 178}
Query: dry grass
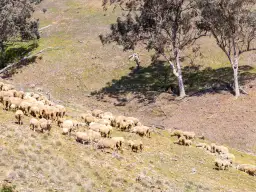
{"x": 38, "y": 162}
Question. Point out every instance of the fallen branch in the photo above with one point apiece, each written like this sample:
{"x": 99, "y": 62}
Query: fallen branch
{"x": 45, "y": 27}
{"x": 243, "y": 91}
{"x": 28, "y": 57}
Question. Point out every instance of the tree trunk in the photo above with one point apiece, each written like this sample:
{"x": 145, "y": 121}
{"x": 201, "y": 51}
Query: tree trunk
{"x": 180, "y": 79}
{"x": 235, "y": 70}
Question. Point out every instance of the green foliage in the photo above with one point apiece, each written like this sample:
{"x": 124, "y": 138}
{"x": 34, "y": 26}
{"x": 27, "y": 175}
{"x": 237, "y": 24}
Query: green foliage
{"x": 7, "y": 188}
{"x": 16, "y": 21}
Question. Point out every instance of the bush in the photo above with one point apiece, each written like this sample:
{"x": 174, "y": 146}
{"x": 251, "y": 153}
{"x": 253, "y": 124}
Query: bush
{"x": 7, "y": 188}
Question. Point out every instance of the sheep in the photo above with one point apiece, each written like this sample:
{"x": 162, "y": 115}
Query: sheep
{"x": 1, "y": 85}
{"x": 177, "y": 133}
{"x": 19, "y": 115}
{"x": 222, "y": 164}
{"x": 25, "y": 107}
{"x": 228, "y": 156}
{"x": 104, "y": 121}
{"x": 250, "y": 169}
{"x": 82, "y": 137}
{"x": 213, "y": 148}
{"x": 135, "y": 121}
{"x": 126, "y": 125}
{"x": 13, "y": 107}
{"x": 34, "y": 111}
{"x": 107, "y": 143}
{"x": 67, "y": 127}
{"x": 141, "y": 130}
{"x": 95, "y": 126}
{"x": 20, "y": 94}
{"x": 60, "y": 122}
{"x": 34, "y": 124}
{"x": 201, "y": 145}
{"x": 45, "y": 125}
{"x": 83, "y": 115}
{"x": 61, "y": 111}
{"x": 221, "y": 149}
{"x": 76, "y": 124}
{"x": 89, "y": 119}
{"x": 181, "y": 141}
{"x": 94, "y": 136}
{"x": 119, "y": 141}
{"x": 188, "y": 142}
{"x": 105, "y": 131}
{"x": 117, "y": 121}
{"x": 189, "y": 135}
{"x": 7, "y": 87}
{"x": 97, "y": 112}
{"x": 135, "y": 145}
{"x": 107, "y": 115}
{"x": 207, "y": 147}
{"x": 14, "y": 100}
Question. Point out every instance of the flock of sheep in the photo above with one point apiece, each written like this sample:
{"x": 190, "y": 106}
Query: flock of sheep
{"x": 98, "y": 126}
{"x": 224, "y": 159}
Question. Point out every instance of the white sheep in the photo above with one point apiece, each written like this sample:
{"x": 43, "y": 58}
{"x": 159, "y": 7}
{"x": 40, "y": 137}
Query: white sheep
{"x": 189, "y": 135}
{"x": 177, "y": 133}
{"x": 67, "y": 127}
{"x": 19, "y": 115}
{"x": 141, "y": 130}
{"x": 119, "y": 141}
{"x": 222, "y": 164}
{"x": 97, "y": 112}
{"x": 34, "y": 124}
{"x": 135, "y": 145}
{"x": 82, "y": 137}
{"x": 107, "y": 143}
{"x": 45, "y": 125}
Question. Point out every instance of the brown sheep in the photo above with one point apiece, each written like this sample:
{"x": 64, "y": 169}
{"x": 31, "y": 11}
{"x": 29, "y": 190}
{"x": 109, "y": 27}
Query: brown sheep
{"x": 19, "y": 115}
{"x": 250, "y": 169}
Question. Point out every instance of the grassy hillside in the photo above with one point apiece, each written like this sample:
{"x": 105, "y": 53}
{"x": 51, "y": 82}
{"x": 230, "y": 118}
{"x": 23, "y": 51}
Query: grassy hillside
{"x": 42, "y": 162}
{"x": 78, "y": 71}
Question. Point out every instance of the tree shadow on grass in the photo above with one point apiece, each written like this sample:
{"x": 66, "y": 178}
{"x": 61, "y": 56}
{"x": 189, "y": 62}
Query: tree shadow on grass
{"x": 15, "y": 52}
{"x": 147, "y": 83}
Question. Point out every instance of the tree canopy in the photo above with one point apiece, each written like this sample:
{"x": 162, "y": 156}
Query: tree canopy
{"x": 166, "y": 26}
{"x": 16, "y": 21}
{"x": 233, "y": 25}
